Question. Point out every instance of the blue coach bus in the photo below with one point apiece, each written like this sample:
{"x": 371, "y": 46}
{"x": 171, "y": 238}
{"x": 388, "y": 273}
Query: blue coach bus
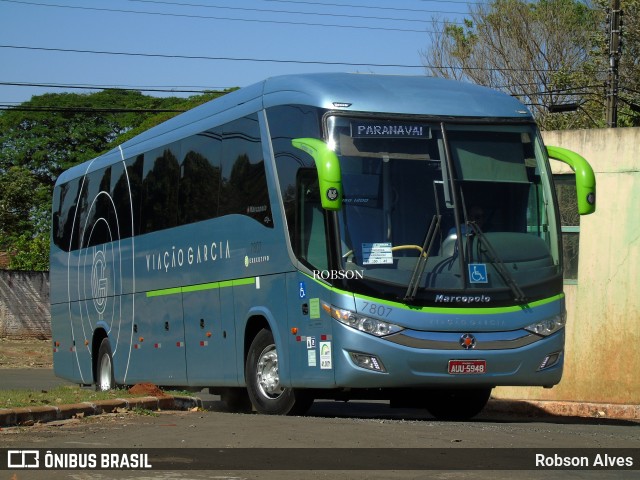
{"x": 333, "y": 236}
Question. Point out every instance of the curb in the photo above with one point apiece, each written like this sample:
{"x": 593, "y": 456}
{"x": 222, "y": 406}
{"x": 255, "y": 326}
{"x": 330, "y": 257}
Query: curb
{"x": 27, "y": 416}
{"x": 549, "y": 408}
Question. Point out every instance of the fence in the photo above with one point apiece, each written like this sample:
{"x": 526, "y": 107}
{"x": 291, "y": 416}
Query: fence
{"x": 24, "y": 305}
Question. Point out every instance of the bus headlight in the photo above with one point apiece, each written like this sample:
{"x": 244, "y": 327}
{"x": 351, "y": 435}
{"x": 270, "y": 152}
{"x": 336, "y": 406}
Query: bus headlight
{"x": 548, "y": 326}
{"x": 373, "y": 326}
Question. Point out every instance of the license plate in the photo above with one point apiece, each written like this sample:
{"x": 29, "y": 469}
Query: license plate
{"x": 467, "y": 367}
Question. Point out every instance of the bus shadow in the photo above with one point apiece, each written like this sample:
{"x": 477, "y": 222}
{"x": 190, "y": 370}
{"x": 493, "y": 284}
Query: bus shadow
{"x": 495, "y": 412}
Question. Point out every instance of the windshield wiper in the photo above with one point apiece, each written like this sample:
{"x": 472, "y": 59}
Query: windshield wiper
{"x": 418, "y": 270}
{"x": 518, "y": 294}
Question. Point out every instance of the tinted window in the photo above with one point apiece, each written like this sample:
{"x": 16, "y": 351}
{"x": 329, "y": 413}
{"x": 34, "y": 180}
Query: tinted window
{"x": 65, "y": 200}
{"x": 200, "y": 177}
{"x": 95, "y": 224}
{"x": 286, "y": 123}
{"x": 244, "y": 183}
{"x": 159, "y": 209}
{"x": 121, "y": 200}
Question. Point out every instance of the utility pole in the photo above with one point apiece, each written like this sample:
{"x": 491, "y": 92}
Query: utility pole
{"x": 615, "y": 49}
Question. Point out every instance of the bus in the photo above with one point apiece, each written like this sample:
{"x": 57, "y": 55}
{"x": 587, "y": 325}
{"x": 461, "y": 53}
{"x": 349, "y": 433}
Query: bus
{"x": 319, "y": 236}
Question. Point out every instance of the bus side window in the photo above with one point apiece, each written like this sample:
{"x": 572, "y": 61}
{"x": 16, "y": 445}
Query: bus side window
{"x": 66, "y": 200}
{"x": 310, "y": 239}
{"x": 159, "y": 208}
{"x": 96, "y": 230}
{"x": 200, "y": 177}
{"x": 121, "y": 200}
{"x": 244, "y": 183}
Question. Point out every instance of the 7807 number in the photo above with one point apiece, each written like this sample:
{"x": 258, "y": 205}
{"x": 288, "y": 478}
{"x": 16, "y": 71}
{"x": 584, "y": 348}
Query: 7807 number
{"x": 376, "y": 309}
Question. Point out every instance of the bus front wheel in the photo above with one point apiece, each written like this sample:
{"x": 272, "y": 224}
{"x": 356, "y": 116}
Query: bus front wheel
{"x": 262, "y": 374}
{"x": 104, "y": 367}
{"x": 457, "y": 404}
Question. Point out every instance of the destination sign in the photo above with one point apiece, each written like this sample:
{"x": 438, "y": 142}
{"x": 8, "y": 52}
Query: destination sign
{"x": 362, "y": 129}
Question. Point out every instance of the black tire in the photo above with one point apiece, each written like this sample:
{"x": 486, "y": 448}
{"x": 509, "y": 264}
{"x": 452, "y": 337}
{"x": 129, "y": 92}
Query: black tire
{"x": 263, "y": 382}
{"x": 104, "y": 367}
{"x": 457, "y": 404}
{"x": 236, "y": 400}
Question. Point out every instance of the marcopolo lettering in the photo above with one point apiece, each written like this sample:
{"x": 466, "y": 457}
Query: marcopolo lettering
{"x": 462, "y": 299}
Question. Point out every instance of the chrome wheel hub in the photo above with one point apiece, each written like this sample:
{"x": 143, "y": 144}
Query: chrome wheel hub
{"x": 267, "y": 373}
{"x": 104, "y": 381}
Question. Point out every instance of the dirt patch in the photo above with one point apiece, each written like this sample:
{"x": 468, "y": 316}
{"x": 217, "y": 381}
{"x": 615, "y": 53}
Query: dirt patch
{"x": 147, "y": 389}
{"x": 27, "y": 353}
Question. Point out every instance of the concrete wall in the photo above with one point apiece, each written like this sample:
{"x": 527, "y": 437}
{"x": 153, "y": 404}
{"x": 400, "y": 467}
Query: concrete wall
{"x": 24, "y": 305}
{"x": 602, "y": 361}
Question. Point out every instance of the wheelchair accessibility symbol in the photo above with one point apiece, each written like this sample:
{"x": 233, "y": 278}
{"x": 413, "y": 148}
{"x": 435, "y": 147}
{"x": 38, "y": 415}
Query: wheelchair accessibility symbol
{"x": 478, "y": 273}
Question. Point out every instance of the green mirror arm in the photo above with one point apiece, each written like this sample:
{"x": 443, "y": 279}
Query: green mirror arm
{"x": 329, "y": 174}
{"x": 585, "y": 178}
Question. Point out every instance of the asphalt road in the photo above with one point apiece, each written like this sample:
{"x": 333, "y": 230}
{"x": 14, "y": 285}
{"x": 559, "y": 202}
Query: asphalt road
{"x": 378, "y": 433}
{"x": 29, "y": 379}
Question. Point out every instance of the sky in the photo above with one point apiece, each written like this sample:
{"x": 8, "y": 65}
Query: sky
{"x": 145, "y": 43}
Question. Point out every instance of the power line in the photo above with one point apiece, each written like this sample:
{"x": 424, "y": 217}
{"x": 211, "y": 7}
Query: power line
{"x": 206, "y": 17}
{"x": 123, "y": 87}
{"x": 289, "y": 12}
{"x": 204, "y": 57}
{"x": 268, "y": 60}
{"x": 372, "y": 7}
{"x": 87, "y": 110}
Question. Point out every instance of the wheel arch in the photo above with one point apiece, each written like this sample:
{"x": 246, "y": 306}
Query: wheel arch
{"x": 259, "y": 318}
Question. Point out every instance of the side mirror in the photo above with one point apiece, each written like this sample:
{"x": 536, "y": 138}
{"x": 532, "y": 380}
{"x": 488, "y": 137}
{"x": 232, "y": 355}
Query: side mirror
{"x": 585, "y": 178}
{"x": 329, "y": 175}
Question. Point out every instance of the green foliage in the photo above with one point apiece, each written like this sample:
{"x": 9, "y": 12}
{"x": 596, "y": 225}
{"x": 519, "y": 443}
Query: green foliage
{"x": 546, "y": 53}
{"x": 51, "y": 133}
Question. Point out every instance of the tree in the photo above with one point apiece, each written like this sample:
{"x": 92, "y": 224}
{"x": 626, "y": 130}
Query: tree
{"x": 629, "y": 64}
{"x": 41, "y": 138}
{"x": 540, "y": 52}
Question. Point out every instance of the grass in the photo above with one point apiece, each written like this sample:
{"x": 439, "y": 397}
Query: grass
{"x": 61, "y": 395}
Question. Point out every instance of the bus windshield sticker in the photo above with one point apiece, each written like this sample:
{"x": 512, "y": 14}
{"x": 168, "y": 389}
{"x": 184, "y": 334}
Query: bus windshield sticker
{"x": 377, "y": 253}
{"x": 325, "y": 355}
{"x": 362, "y": 129}
{"x": 314, "y": 308}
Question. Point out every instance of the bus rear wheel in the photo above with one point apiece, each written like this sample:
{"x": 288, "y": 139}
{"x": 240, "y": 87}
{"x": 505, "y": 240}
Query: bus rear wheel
{"x": 457, "y": 404}
{"x": 104, "y": 367}
{"x": 262, "y": 374}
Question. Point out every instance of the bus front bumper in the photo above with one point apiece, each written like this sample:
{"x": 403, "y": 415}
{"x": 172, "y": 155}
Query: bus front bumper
{"x": 372, "y": 362}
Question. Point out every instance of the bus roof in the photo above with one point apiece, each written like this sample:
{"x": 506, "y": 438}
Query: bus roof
{"x": 410, "y": 95}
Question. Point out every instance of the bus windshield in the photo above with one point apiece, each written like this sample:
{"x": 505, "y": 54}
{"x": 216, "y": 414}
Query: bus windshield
{"x": 435, "y": 209}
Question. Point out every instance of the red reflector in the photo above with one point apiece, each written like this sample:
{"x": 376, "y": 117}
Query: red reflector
{"x": 323, "y": 338}
{"x": 298, "y": 338}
